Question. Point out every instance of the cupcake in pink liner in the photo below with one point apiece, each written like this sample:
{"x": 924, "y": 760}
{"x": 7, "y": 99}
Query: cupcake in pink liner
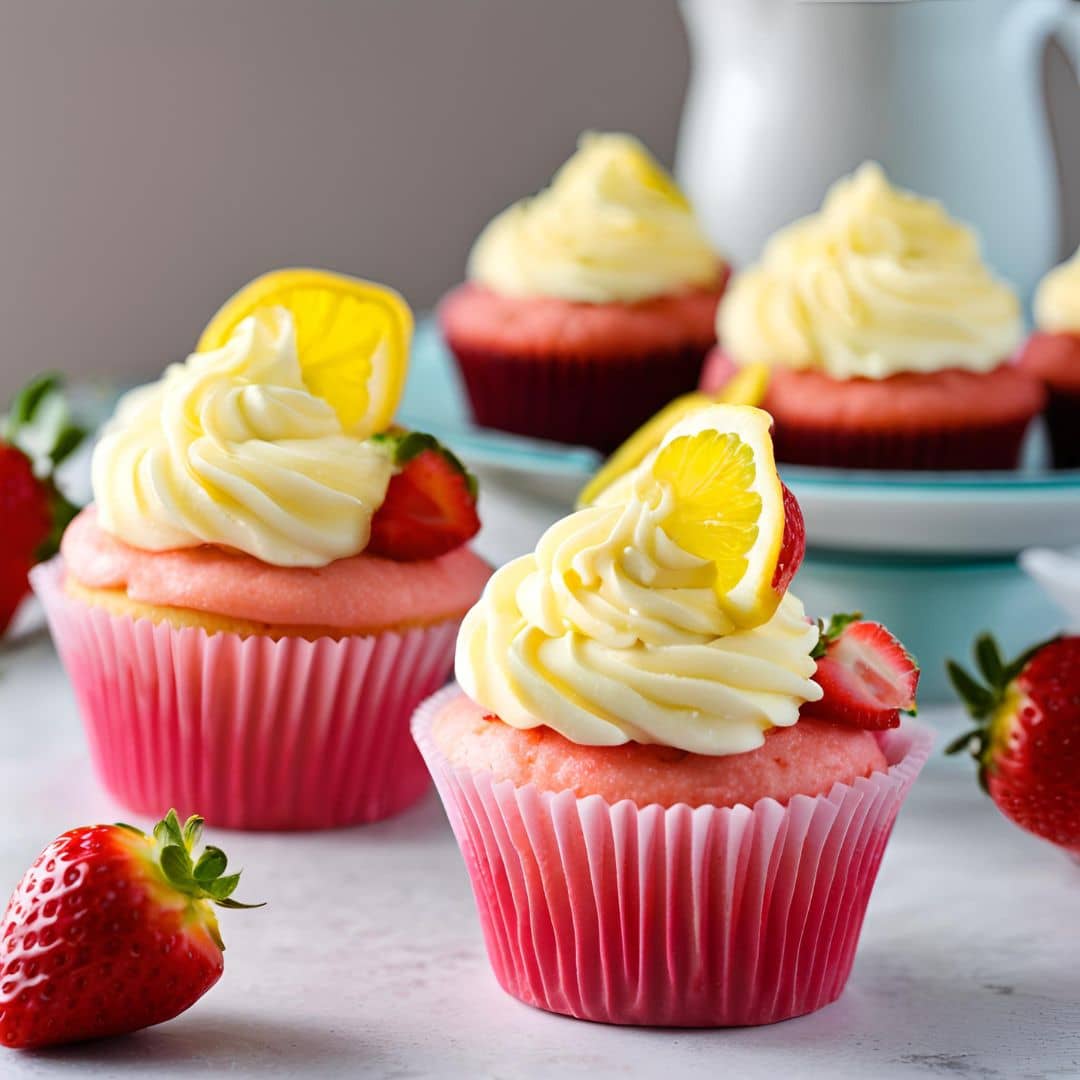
{"x": 589, "y": 306}
{"x": 889, "y": 339}
{"x": 671, "y": 789}
{"x": 264, "y": 589}
{"x": 1052, "y": 355}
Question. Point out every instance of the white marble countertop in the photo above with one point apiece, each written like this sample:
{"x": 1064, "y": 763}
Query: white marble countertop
{"x": 368, "y": 958}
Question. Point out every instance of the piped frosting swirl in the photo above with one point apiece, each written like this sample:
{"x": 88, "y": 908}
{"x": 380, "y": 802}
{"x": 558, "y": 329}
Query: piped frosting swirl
{"x": 612, "y": 228}
{"x": 231, "y": 448}
{"x": 879, "y": 281}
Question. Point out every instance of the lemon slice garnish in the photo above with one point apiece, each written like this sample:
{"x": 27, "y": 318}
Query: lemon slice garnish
{"x": 352, "y": 337}
{"x": 728, "y": 503}
{"x": 746, "y": 387}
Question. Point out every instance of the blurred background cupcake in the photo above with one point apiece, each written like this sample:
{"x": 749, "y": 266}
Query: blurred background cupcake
{"x": 1052, "y": 354}
{"x": 888, "y": 337}
{"x": 589, "y": 305}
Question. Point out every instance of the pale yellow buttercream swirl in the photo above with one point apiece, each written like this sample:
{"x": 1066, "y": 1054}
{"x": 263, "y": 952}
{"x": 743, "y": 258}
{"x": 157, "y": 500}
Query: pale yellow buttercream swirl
{"x": 878, "y": 282}
{"x": 611, "y": 633}
{"x": 230, "y": 448}
{"x": 612, "y": 228}
{"x": 1057, "y": 300}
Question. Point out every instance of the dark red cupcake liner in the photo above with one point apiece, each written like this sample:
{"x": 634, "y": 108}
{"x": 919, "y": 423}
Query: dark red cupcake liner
{"x": 973, "y": 447}
{"x": 582, "y": 400}
{"x": 1063, "y": 422}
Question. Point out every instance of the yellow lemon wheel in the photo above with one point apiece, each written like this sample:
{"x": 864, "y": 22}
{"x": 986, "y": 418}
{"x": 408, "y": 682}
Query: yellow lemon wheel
{"x": 727, "y": 503}
{"x": 746, "y": 387}
{"x": 352, "y": 337}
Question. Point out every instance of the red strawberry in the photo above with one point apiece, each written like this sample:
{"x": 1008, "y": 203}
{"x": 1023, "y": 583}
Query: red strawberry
{"x": 1027, "y": 741}
{"x": 793, "y": 545}
{"x": 32, "y": 509}
{"x": 111, "y": 931}
{"x": 24, "y": 510}
{"x": 430, "y": 505}
{"x": 869, "y": 678}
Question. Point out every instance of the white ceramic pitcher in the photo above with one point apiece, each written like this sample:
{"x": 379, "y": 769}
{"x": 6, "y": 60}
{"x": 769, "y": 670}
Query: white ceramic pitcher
{"x": 785, "y": 97}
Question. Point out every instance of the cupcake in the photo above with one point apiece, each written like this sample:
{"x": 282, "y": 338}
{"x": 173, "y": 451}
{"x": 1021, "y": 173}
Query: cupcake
{"x": 588, "y": 306}
{"x": 268, "y": 581}
{"x": 671, "y": 789}
{"x": 1052, "y": 354}
{"x": 888, "y": 338}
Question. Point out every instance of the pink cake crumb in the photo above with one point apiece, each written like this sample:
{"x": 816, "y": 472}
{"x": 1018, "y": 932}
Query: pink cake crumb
{"x": 358, "y": 594}
{"x": 806, "y": 759}
{"x": 475, "y": 317}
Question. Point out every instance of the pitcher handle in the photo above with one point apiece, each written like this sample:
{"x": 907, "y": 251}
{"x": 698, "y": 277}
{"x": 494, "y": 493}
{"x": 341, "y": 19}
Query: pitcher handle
{"x": 1067, "y": 32}
{"x": 1031, "y": 24}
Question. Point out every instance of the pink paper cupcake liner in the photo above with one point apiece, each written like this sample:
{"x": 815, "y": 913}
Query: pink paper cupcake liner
{"x": 987, "y": 446}
{"x": 706, "y": 917}
{"x": 251, "y": 733}
{"x": 581, "y": 400}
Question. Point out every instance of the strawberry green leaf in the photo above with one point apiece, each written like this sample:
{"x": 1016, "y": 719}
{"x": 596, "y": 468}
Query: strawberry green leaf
{"x": 227, "y": 902}
{"x": 69, "y": 438}
{"x": 200, "y": 876}
{"x": 829, "y": 632}
{"x": 978, "y": 699}
{"x": 223, "y": 887}
{"x": 211, "y": 864}
{"x": 970, "y": 740}
{"x": 193, "y": 828}
{"x": 176, "y": 863}
{"x": 403, "y": 446}
{"x": 988, "y": 657}
{"x": 167, "y": 831}
{"x": 25, "y": 404}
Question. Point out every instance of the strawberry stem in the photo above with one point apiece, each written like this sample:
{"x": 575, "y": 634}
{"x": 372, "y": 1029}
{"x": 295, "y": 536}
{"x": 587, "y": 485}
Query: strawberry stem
{"x": 38, "y": 423}
{"x": 201, "y": 878}
{"x": 983, "y": 700}
{"x": 829, "y": 632}
{"x": 403, "y": 446}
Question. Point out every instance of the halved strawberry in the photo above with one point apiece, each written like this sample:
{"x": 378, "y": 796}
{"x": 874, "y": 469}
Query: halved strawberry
{"x": 793, "y": 546}
{"x": 869, "y": 678}
{"x": 430, "y": 505}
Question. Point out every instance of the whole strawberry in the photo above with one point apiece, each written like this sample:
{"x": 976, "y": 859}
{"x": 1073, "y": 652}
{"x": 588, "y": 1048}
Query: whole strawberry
{"x": 1027, "y": 741}
{"x": 25, "y": 511}
{"x": 37, "y": 437}
{"x": 111, "y": 931}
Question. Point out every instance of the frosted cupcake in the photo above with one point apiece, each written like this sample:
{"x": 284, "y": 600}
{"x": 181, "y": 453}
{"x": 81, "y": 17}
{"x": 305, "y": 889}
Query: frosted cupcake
{"x": 888, "y": 337}
{"x": 266, "y": 586}
{"x": 588, "y": 306}
{"x": 1052, "y": 354}
{"x": 671, "y": 789}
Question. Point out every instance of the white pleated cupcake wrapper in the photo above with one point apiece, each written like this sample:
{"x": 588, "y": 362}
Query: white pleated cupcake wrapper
{"x": 250, "y": 732}
{"x": 713, "y": 916}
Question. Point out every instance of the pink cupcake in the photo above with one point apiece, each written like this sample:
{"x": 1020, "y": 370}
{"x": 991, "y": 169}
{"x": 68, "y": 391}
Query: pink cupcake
{"x": 889, "y": 339}
{"x": 672, "y": 812}
{"x": 1052, "y": 355}
{"x": 262, "y": 593}
{"x": 589, "y": 306}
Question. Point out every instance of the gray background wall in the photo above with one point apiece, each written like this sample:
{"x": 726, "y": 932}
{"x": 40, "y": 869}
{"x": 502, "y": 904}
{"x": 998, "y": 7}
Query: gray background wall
{"x": 155, "y": 154}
